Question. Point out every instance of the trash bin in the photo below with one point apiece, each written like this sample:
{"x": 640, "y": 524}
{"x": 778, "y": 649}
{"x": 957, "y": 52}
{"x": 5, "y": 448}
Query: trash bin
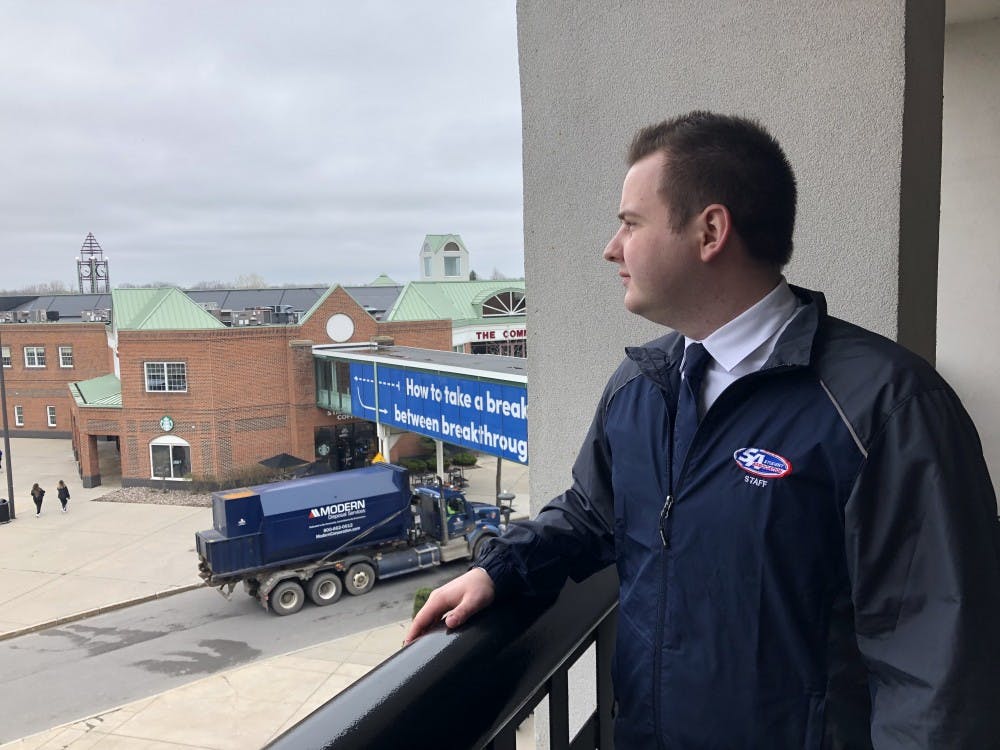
{"x": 505, "y": 501}
{"x": 4, "y": 510}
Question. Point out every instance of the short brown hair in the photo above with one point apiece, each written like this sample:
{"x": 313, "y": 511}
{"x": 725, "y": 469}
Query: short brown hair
{"x": 713, "y": 158}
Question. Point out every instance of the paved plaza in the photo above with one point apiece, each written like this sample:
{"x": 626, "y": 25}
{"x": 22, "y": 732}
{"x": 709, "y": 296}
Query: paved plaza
{"x": 61, "y": 567}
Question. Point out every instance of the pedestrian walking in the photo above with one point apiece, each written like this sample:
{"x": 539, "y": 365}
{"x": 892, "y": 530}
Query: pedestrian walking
{"x": 37, "y": 493}
{"x": 63, "y": 492}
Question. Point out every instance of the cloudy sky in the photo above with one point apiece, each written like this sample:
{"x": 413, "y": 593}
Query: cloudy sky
{"x": 305, "y": 141}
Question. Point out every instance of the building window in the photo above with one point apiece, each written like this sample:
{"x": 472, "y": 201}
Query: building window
{"x": 34, "y": 356}
{"x": 19, "y": 416}
{"x": 170, "y": 458}
{"x": 452, "y": 266}
{"x": 504, "y": 303}
{"x": 50, "y": 412}
{"x": 65, "y": 356}
{"x": 427, "y": 267}
{"x": 5, "y": 353}
{"x": 166, "y": 376}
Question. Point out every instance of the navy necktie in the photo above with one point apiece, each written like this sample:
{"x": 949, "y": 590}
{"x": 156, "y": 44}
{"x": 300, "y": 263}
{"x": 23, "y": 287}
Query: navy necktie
{"x": 686, "y": 421}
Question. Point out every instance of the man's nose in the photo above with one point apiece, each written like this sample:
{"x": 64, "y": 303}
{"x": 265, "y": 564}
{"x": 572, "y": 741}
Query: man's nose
{"x": 612, "y": 250}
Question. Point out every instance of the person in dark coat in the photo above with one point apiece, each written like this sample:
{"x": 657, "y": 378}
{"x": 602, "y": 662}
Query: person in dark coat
{"x": 63, "y": 492}
{"x": 800, "y": 512}
{"x": 37, "y": 493}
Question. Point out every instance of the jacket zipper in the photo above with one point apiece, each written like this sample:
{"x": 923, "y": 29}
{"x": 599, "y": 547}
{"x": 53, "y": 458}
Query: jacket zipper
{"x": 661, "y": 608}
{"x": 665, "y": 523}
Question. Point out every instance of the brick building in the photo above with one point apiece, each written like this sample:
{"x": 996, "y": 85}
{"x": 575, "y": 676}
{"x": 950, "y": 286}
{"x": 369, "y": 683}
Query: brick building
{"x": 39, "y": 361}
{"x": 184, "y": 395}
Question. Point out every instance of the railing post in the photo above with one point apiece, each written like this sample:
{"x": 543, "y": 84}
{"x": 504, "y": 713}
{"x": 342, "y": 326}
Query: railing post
{"x": 605, "y": 689}
{"x": 559, "y": 710}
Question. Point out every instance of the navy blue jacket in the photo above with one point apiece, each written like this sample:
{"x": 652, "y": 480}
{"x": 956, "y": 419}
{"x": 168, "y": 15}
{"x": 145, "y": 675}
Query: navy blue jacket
{"x": 824, "y": 575}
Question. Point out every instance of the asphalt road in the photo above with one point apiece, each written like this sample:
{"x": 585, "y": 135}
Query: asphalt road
{"x": 70, "y": 672}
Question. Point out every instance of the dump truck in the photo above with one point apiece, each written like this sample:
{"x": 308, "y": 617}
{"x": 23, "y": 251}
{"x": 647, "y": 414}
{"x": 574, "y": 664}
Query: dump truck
{"x": 315, "y": 537}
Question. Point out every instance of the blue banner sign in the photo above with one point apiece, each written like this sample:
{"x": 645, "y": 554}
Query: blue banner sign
{"x": 487, "y": 417}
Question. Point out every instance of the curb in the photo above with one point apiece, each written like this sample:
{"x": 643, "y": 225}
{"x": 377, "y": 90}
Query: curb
{"x": 99, "y": 611}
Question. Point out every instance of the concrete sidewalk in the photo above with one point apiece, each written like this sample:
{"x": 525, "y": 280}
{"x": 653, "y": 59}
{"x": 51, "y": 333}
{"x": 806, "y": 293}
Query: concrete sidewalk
{"x": 99, "y": 556}
{"x": 61, "y": 566}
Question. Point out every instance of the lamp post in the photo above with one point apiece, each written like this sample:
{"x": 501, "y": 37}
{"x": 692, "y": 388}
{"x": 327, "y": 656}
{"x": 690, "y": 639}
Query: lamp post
{"x": 6, "y": 433}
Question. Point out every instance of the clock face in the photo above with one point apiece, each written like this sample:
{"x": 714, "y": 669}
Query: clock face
{"x": 85, "y": 271}
{"x": 101, "y": 271}
{"x": 339, "y": 328}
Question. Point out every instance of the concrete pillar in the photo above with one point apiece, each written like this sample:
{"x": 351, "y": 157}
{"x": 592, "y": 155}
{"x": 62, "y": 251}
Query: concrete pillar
{"x": 90, "y": 462}
{"x": 969, "y": 304}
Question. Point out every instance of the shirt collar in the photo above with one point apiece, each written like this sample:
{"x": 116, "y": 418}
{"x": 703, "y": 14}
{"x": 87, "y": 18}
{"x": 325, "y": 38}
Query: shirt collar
{"x": 741, "y": 336}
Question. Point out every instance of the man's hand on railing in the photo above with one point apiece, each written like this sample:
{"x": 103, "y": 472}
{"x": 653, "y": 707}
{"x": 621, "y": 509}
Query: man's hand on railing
{"x": 455, "y": 602}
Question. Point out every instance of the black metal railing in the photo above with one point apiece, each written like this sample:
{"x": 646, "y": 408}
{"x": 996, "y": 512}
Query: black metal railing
{"x": 471, "y": 688}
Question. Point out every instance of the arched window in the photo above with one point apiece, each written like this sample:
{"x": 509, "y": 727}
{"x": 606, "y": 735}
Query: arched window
{"x": 504, "y": 303}
{"x": 170, "y": 458}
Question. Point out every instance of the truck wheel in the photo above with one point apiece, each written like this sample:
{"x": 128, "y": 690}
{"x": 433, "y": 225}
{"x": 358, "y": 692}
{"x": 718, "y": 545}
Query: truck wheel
{"x": 481, "y": 542}
{"x": 359, "y": 579}
{"x": 324, "y": 588}
{"x": 287, "y": 598}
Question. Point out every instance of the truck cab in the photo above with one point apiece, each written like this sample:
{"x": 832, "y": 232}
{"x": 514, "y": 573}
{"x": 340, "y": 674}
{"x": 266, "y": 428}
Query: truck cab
{"x": 446, "y": 516}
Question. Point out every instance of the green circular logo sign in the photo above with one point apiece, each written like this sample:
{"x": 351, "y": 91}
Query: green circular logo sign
{"x": 166, "y": 423}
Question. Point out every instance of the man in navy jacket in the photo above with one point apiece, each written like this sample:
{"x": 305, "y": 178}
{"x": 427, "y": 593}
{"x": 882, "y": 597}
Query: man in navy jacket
{"x": 799, "y": 510}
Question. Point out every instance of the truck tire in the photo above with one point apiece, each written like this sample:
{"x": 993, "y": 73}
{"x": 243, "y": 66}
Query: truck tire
{"x": 287, "y": 598}
{"x": 324, "y": 588}
{"x": 477, "y": 550}
{"x": 359, "y": 579}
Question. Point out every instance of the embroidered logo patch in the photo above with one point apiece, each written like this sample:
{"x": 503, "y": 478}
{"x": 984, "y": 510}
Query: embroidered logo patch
{"x": 761, "y": 463}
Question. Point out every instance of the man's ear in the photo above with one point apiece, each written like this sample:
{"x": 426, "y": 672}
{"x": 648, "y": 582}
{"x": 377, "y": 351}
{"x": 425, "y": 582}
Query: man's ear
{"x": 716, "y": 229}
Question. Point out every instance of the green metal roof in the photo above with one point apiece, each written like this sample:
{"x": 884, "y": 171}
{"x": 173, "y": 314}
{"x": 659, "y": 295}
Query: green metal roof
{"x": 384, "y": 280}
{"x": 459, "y": 301}
{"x": 435, "y": 242}
{"x": 105, "y": 391}
{"x": 162, "y": 309}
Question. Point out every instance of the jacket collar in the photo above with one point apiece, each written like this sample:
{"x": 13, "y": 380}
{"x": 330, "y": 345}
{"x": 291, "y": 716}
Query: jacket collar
{"x": 660, "y": 360}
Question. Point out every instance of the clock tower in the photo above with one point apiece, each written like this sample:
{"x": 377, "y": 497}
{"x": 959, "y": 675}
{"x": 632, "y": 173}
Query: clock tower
{"x": 92, "y": 268}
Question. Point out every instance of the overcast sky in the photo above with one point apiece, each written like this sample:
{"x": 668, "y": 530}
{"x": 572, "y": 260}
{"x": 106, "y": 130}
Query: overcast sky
{"x": 305, "y": 141}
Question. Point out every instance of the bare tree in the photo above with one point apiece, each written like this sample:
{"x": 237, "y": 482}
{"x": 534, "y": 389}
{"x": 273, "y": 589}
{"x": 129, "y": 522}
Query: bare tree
{"x": 48, "y": 287}
{"x": 250, "y": 281}
{"x": 209, "y": 285}
{"x": 146, "y": 285}
{"x": 496, "y": 275}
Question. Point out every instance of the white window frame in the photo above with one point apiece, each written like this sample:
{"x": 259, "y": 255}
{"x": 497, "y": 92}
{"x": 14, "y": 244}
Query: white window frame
{"x": 504, "y": 304}
{"x": 5, "y": 355}
{"x": 65, "y": 352}
{"x": 457, "y": 260}
{"x": 50, "y": 415}
{"x": 35, "y": 352}
{"x": 165, "y": 371}
{"x": 18, "y": 416}
{"x": 173, "y": 442}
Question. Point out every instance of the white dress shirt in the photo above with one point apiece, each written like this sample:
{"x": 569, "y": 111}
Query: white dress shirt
{"x": 743, "y": 345}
